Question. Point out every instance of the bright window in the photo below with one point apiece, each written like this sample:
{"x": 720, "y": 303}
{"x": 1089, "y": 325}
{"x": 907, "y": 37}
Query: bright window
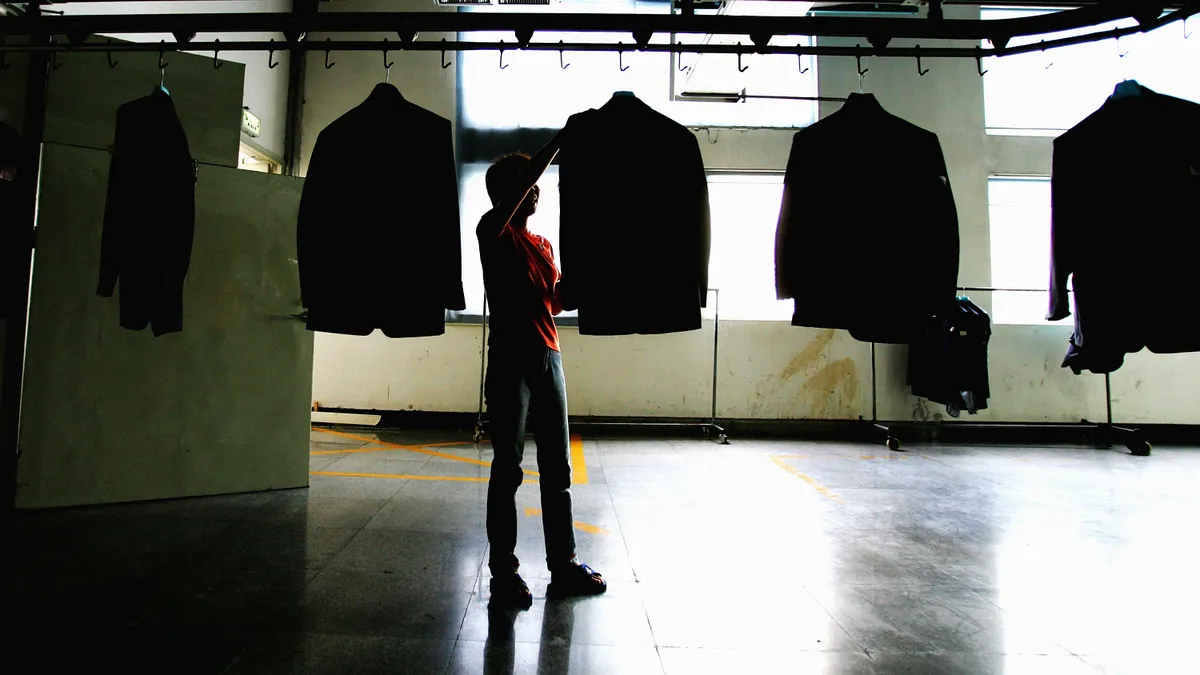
{"x": 1047, "y": 93}
{"x": 745, "y": 208}
{"x": 1019, "y": 210}
{"x": 535, "y": 91}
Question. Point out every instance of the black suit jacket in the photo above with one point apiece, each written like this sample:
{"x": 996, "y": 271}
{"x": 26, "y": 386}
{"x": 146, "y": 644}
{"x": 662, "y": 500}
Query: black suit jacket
{"x": 948, "y": 361}
{"x": 149, "y": 215}
{"x": 634, "y": 229}
{"x": 867, "y": 238}
{"x": 378, "y": 236}
{"x": 1125, "y": 189}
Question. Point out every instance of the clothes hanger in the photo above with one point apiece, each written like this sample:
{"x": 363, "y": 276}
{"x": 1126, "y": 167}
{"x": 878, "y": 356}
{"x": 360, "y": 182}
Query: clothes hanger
{"x": 162, "y": 75}
{"x": 1126, "y": 88}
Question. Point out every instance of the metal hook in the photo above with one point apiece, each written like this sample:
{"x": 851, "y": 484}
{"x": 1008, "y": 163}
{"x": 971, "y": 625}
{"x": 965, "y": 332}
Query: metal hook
{"x": 979, "y": 66}
{"x": 54, "y": 64}
{"x": 1187, "y": 35}
{"x": 216, "y": 52}
{"x": 741, "y": 69}
{"x": 862, "y": 72}
{"x": 445, "y": 64}
{"x": 1121, "y": 54}
{"x": 387, "y": 66}
{"x": 271, "y": 62}
{"x": 328, "y": 65}
{"x": 621, "y": 59}
{"x": 800, "y": 64}
{"x": 920, "y": 72}
{"x": 502, "y": 65}
{"x": 109, "y": 58}
{"x": 1051, "y": 63}
{"x": 562, "y": 65}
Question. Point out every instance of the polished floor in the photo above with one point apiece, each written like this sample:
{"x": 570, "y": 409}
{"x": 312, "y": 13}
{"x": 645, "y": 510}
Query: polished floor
{"x": 759, "y": 557}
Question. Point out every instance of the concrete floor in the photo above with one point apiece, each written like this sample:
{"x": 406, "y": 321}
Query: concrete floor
{"x": 759, "y": 557}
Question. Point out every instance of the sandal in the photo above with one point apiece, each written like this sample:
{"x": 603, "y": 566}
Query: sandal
{"x": 576, "y": 579}
{"x": 510, "y": 590}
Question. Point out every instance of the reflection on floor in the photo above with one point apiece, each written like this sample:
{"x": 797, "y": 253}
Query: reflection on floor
{"x": 759, "y": 557}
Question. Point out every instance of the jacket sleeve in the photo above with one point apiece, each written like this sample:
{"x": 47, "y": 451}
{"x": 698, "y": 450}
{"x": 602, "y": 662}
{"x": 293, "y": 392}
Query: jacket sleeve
{"x": 313, "y": 201}
{"x": 113, "y": 239}
{"x": 794, "y": 180}
{"x": 945, "y": 283}
{"x": 572, "y": 206}
{"x": 1063, "y": 198}
{"x": 451, "y": 227}
{"x": 699, "y": 210}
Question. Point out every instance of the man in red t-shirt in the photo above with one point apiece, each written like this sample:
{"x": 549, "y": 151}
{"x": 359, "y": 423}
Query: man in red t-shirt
{"x": 524, "y": 374}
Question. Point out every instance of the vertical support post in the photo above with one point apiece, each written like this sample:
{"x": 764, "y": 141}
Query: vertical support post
{"x": 24, "y": 213}
{"x": 297, "y": 67}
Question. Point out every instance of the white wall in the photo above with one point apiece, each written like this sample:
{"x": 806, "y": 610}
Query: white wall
{"x": 766, "y": 370}
{"x": 265, "y": 90}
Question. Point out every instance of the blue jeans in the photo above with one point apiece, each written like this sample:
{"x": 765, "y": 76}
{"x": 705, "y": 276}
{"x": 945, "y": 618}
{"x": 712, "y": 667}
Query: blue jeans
{"x": 519, "y": 382}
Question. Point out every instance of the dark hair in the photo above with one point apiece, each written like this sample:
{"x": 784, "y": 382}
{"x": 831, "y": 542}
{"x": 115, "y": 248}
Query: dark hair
{"x": 503, "y": 174}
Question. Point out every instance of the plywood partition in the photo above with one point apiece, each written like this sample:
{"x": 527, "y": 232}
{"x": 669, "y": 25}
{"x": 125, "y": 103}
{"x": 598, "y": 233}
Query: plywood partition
{"x": 114, "y": 415}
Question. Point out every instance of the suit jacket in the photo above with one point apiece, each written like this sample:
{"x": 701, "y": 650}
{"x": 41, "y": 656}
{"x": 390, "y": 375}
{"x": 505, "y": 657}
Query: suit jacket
{"x": 948, "y": 360}
{"x": 634, "y": 229}
{"x": 867, "y": 238}
{"x": 377, "y": 236}
{"x": 149, "y": 215}
{"x": 1125, "y": 187}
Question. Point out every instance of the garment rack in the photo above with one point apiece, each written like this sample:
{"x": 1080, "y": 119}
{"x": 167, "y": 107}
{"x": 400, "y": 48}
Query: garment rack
{"x": 1105, "y": 433}
{"x": 709, "y": 428}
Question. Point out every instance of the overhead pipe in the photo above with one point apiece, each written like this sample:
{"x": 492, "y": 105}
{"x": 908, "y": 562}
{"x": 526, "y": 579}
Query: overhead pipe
{"x": 973, "y": 52}
{"x": 77, "y": 27}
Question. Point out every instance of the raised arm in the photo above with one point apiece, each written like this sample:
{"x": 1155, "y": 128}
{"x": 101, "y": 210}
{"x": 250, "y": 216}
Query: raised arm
{"x": 503, "y": 212}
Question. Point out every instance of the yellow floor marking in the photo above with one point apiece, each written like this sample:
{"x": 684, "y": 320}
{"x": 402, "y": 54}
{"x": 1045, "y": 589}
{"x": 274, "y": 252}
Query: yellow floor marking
{"x": 461, "y": 479}
{"x": 446, "y": 444}
{"x": 394, "y": 446}
{"x": 531, "y": 512}
{"x": 579, "y": 474}
{"x": 807, "y": 479}
{"x": 350, "y": 451}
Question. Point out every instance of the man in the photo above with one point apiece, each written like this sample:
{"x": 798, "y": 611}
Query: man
{"x": 525, "y": 374}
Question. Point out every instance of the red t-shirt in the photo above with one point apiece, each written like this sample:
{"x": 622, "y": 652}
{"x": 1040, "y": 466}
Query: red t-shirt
{"x": 519, "y": 276}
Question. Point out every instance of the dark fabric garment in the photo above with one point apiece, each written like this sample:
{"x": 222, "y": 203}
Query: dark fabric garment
{"x": 948, "y": 361}
{"x": 1125, "y": 188}
{"x": 634, "y": 230}
{"x": 519, "y": 382}
{"x": 15, "y": 235}
{"x": 378, "y": 234}
{"x": 519, "y": 275}
{"x": 149, "y": 215}
{"x": 867, "y": 239}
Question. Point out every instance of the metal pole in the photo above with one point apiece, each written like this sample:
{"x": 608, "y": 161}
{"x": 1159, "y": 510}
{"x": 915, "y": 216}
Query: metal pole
{"x": 24, "y": 214}
{"x": 716, "y": 338}
{"x": 478, "y": 434}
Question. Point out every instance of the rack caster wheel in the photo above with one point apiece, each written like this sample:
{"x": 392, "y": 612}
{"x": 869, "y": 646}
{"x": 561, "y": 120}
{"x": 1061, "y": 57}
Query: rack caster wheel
{"x": 706, "y": 431}
{"x": 477, "y": 435}
{"x": 724, "y": 439}
{"x": 1139, "y": 448}
{"x": 893, "y": 443}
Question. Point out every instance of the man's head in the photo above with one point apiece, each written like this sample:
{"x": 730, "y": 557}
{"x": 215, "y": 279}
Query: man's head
{"x": 503, "y": 178}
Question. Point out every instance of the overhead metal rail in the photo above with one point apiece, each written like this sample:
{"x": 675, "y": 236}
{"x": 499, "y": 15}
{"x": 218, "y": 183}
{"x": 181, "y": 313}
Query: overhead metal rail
{"x": 71, "y": 33}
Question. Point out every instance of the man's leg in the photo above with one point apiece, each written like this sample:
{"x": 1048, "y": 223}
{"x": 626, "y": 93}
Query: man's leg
{"x": 508, "y": 394}
{"x": 549, "y": 403}
{"x": 567, "y": 575}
